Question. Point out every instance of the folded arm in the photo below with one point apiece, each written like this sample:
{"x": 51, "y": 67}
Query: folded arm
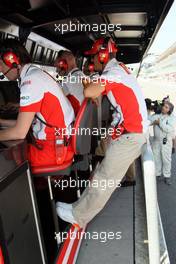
{"x": 7, "y": 123}
{"x": 20, "y": 128}
{"x": 93, "y": 90}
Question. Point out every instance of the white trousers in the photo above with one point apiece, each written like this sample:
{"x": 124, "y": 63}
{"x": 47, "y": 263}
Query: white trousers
{"x": 163, "y": 157}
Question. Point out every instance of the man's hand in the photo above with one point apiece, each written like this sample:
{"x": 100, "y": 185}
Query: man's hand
{"x": 93, "y": 90}
{"x": 20, "y": 129}
{"x": 156, "y": 122}
{"x": 86, "y": 82}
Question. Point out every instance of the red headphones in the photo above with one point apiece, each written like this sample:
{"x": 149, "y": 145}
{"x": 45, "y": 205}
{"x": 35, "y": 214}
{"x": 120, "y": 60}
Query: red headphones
{"x": 91, "y": 67}
{"x": 62, "y": 65}
{"x": 10, "y": 59}
{"x": 108, "y": 47}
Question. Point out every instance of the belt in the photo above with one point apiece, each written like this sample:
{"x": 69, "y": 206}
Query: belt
{"x": 126, "y": 132}
{"x": 130, "y": 132}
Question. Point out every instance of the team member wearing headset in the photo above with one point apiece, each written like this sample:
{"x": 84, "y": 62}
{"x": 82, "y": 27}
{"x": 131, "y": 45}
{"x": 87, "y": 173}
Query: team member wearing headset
{"x": 164, "y": 130}
{"x": 43, "y": 106}
{"x": 126, "y": 97}
{"x": 72, "y": 82}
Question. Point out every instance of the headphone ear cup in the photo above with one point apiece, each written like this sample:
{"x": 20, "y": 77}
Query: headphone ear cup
{"x": 62, "y": 65}
{"x": 91, "y": 67}
{"x": 11, "y": 59}
{"x": 103, "y": 56}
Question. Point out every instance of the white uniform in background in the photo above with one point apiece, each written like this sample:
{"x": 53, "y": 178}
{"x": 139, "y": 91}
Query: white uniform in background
{"x": 162, "y": 152}
{"x": 72, "y": 85}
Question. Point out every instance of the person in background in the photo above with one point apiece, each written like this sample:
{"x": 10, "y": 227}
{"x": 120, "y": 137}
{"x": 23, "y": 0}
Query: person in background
{"x": 150, "y": 111}
{"x": 72, "y": 78}
{"x": 164, "y": 128}
{"x": 148, "y": 102}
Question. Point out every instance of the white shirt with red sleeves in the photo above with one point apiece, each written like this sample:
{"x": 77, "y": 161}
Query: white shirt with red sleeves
{"x": 72, "y": 84}
{"x": 126, "y": 96}
{"x": 40, "y": 93}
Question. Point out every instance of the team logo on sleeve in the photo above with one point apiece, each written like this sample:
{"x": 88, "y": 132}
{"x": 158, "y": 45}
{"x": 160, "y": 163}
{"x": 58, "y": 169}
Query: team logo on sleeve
{"x": 25, "y": 98}
{"x": 27, "y": 82}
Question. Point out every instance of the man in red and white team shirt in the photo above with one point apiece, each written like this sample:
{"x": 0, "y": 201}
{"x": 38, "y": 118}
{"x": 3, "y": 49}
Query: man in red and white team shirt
{"x": 127, "y": 100}
{"x": 71, "y": 78}
{"x": 42, "y": 105}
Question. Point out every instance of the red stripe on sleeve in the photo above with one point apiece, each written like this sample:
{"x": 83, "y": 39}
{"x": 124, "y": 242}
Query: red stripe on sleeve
{"x": 31, "y": 108}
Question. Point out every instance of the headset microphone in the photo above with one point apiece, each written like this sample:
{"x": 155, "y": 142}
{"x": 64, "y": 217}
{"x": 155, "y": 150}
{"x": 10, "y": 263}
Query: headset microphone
{"x": 2, "y": 76}
{"x": 11, "y": 60}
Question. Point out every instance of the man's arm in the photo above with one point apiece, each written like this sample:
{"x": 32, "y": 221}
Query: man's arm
{"x": 21, "y": 128}
{"x": 93, "y": 90}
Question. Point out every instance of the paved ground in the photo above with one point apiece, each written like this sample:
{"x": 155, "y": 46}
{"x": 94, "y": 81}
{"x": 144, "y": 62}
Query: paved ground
{"x": 167, "y": 204}
{"x": 117, "y": 216}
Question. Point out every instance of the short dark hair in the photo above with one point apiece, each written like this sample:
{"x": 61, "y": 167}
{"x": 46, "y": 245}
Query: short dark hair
{"x": 62, "y": 53}
{"x": 17, "y": 47}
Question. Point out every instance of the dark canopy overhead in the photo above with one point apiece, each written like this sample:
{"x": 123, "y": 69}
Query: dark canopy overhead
{"x": 139, "y": 20}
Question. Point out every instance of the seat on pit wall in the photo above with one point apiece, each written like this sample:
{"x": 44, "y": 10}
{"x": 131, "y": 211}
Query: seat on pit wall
{"x": 81, "y": 143}
{"x": 106, "y": 111}
{"x": 81, "y": 140}
{"x": 95, "y": 126}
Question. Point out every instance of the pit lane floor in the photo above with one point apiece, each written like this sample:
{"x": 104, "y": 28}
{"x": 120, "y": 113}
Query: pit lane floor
{"x": 167, "y": 205}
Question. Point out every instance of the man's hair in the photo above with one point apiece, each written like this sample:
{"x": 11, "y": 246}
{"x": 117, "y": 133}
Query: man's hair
{"x": 15, "y": 46}
{"x": 64, "y": 53}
